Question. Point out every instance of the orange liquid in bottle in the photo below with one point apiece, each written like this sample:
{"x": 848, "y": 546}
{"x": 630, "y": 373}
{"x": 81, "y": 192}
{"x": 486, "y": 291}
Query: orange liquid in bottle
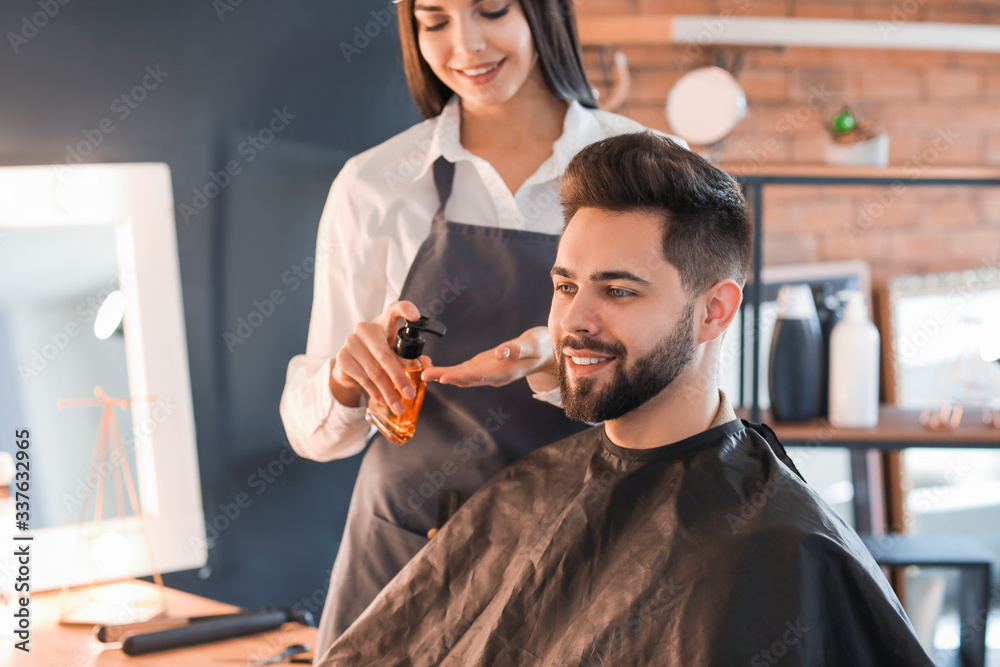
{"x": 399, "y": 428}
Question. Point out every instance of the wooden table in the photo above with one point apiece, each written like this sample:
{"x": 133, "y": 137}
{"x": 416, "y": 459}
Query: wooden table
{"x": 54, "y": 645}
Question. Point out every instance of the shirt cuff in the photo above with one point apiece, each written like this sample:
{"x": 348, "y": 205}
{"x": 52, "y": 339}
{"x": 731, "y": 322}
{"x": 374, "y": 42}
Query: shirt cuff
{"x": 552, "y": 396}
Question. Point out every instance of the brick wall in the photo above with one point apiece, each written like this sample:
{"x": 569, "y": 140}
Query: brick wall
{"x": 918, "y": 97}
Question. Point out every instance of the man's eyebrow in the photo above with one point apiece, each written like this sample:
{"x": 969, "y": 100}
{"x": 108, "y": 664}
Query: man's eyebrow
{"x": 435, "y": 8}
{"x": 608, "y": 276}
{"x": 603, "y": 276}
{"x": 560, "y": 271}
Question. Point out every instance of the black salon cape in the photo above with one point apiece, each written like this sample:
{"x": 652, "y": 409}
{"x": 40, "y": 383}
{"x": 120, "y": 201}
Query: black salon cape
{"x": 707, "y": 551}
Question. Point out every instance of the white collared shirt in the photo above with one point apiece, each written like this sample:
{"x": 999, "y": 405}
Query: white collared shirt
{"x": 378, "y": 213}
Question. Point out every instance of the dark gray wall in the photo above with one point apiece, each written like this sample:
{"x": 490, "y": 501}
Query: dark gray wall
{"x": 224, "y": 68}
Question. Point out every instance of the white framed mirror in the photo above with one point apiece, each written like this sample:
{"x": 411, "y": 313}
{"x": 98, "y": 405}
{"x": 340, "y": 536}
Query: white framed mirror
{"x": 69, "y": 236}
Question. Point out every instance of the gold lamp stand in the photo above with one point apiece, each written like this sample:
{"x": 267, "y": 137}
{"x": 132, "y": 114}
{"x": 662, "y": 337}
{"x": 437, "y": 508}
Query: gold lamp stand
{"x": 99, "y": 545}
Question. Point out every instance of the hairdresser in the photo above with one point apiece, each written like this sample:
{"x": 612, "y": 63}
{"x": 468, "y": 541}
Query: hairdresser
{"x": 457, "y": 217}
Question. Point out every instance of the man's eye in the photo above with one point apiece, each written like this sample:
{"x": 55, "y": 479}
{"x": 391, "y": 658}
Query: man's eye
{"x": 619, "y": 292}
{"x": 565, "y": 289}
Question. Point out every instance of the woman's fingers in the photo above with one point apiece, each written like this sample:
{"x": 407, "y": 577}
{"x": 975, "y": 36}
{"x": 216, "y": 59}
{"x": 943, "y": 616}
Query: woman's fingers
{"x": 397, "y": 311}
{"x": 482, "y": 369}
{"x": 348, "y": 372}
{"x": 528, "y": 353}
{"x": 381, "y": 366}
{"x": 367, "y": 359}
{"x": 526, "y": 346}
{"x": 388, "y": 362}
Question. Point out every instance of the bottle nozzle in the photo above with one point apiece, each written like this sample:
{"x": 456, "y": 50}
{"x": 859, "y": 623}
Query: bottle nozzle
{"x": 410, "y": 342}
{"x": 412, "y": 328}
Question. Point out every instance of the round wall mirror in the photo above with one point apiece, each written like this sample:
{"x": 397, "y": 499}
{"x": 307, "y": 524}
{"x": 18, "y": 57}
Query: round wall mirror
{"x": 705, "y": 105}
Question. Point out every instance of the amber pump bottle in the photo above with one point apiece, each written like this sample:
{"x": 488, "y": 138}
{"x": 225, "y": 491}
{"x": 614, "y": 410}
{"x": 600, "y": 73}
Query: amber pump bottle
{"x": 409, "y": 346}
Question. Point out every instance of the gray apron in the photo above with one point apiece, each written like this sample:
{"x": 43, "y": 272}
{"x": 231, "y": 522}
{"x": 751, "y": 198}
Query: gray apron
{"x": 488, "y": 285}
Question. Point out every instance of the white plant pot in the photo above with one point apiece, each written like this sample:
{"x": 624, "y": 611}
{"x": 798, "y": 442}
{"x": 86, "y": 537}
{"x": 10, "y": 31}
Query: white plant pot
{"x": 871, "y": 153}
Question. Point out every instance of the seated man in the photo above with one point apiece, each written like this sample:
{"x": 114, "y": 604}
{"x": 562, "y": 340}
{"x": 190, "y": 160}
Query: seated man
{"x": 671, "y": 534}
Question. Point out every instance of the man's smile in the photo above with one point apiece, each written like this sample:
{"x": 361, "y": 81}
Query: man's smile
{"x": 580, "y": 363}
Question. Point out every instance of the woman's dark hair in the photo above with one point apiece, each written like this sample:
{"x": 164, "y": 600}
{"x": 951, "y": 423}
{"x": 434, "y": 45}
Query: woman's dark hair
{"x": 707, "y": 233}
{"x": 553, "y": 30}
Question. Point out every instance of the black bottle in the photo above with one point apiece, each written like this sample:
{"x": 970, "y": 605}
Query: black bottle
{"x": 796, "y": 356}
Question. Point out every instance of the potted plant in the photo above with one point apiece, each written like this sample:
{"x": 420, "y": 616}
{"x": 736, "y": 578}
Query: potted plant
{"x": 854, "y": 142}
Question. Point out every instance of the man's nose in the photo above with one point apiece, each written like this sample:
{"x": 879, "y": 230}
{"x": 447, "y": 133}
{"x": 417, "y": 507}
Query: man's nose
{"x": 582, "y": 315}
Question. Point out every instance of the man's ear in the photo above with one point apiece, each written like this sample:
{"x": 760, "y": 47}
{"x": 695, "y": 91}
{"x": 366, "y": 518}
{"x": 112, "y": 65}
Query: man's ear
{"x": 721, "y": 303}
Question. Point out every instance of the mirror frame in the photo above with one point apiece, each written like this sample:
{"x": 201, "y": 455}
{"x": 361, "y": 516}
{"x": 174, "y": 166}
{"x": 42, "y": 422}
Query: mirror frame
{"x": 137, "y": 199}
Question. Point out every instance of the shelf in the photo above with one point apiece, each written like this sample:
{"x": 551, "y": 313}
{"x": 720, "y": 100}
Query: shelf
{"x": 897, "y": 429}
{"x": 753, "y": 182}
{"x": 813, "y": 173}
{"x": 782, "y": 31}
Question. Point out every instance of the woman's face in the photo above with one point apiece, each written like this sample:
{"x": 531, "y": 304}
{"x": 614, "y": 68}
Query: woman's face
{"x": 481, "y": 49}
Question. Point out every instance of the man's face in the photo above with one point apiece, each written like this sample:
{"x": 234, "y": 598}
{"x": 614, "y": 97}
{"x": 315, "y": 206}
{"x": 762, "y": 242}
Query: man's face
{"x": 620, "y": 322}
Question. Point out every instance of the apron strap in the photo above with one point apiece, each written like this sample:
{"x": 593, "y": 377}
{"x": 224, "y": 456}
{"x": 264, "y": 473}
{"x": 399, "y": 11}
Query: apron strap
{"x": 444, "y": 175}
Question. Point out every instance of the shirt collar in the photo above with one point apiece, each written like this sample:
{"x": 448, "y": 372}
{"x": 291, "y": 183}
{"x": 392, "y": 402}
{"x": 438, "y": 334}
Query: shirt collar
{"x": 446, "y": 139}
{"x": 580, "y": 128}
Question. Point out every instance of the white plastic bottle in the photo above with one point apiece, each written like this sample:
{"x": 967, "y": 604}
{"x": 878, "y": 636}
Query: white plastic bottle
{"x": 854, "y": 367}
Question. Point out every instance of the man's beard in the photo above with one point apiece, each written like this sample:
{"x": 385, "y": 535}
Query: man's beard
{"x": 631, "y": 385}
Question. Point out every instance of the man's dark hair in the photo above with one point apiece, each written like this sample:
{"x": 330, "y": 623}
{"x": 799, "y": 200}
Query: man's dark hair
{"x": 553, "y": 29}
{"x": 707, "y": 233}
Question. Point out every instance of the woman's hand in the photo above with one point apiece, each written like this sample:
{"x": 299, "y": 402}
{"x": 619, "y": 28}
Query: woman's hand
{"x": 529, "y": 353}
{"x": 367, "y": 362}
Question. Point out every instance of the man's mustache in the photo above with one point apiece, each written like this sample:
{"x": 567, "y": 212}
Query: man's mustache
{"x": 613, "y": 348}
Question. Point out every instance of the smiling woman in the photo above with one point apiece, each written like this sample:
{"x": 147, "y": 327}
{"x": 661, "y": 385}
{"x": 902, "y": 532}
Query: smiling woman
{"x": 483, "y": 52}
{"x": 551, "y": 35}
